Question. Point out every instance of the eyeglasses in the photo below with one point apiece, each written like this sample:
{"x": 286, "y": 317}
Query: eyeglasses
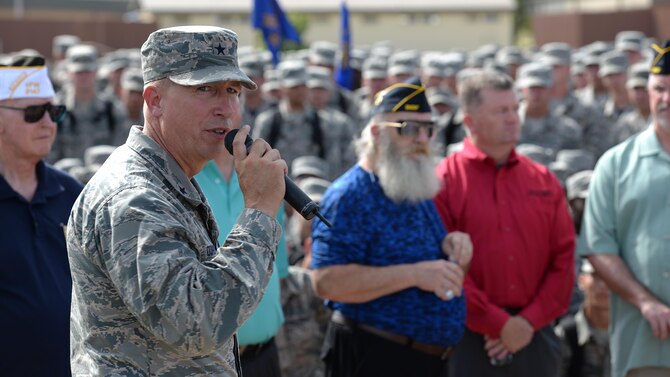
{"x": 411, "y": 128}
{"x": 33, "y": 114}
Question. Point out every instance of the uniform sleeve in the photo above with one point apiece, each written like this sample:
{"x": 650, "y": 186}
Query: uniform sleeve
{"x": 152, "y": 260}
{"x": 598, "y": 226}
{"x": 553, "y": 294}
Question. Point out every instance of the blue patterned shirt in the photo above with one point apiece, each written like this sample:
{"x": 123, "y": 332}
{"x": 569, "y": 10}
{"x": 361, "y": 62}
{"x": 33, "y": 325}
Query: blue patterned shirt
{"x": 370, "y": 229}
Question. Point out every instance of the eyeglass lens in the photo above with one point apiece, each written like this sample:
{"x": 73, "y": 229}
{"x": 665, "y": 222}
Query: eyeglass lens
{"x": 413, "y": 128}
{"x": 33, "y": 114}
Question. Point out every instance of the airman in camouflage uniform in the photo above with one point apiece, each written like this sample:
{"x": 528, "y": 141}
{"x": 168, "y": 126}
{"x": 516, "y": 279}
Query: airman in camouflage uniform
{"x": 564, "y": 102}
{"x": 540, "y": 127}
{"x": 300, "y": 339}
{"x": 152, "y": 294}
{"x": 635, "y": 121}
{"x": 297, "y": 129}
{"x": 93, "y": 117}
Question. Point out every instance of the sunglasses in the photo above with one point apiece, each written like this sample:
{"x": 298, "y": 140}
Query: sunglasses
{"x": 411, "y": 128}
{"x": 33, "y": 114}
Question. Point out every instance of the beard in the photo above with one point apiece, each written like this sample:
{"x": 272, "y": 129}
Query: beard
{"x": 406, "y": 178}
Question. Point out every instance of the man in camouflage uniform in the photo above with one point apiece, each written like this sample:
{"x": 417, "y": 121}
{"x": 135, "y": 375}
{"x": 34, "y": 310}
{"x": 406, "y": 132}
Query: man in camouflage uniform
{"x": 539, "y": 126}
{"x": 564, "y": 102}
{"x": 637, "y": 120}
{"x": 253, "y": 102}
{"x": 152, "y": 294}
{"x": 613, "y": 66}
{"x": 93, "y": 117}
{"x": 298, "y": 129}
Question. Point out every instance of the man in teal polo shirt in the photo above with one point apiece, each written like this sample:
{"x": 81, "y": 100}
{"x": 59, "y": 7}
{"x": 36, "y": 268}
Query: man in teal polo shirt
{"x": 627, "y": 230}
{"x": 258, "y": 352}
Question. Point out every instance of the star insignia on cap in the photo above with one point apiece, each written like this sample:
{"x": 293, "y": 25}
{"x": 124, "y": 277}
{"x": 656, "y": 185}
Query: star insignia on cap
{"x": 220, "y": 49}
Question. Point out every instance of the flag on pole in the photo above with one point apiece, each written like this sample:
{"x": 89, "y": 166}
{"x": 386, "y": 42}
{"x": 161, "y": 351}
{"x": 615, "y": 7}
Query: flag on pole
{"x": 344, "y": 73}
{"x": 269, "y": 18}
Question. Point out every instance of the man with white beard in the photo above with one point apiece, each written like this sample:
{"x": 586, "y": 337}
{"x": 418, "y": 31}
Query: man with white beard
{"x": 387, "y": 267}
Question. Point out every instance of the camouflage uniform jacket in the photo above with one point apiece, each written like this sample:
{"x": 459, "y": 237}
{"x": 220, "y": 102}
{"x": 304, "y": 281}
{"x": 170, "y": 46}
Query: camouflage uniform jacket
{"x": 613, "y": 113}
{"x": 300, "y": 339}
{"x": 151, "y": 293}
{"x": 585, "y": 355}
{"x": 594, "y": 127}
{"x": 552, "y": 132}
{"x": 629, "y": 124}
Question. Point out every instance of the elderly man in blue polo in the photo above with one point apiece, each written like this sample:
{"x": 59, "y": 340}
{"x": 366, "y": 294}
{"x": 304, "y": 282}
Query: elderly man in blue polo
{"x": 35, "y": 202}
{"x": 387, "y": 266}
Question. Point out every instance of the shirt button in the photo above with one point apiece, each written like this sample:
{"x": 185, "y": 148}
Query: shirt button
{"x": 217, "y": 180}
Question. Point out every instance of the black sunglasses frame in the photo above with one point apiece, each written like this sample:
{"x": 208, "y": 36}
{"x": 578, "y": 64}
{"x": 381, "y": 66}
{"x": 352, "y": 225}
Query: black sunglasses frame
{"x": 34, "y": 113}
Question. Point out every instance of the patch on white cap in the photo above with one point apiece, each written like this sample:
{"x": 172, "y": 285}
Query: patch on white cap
{"x": 25, "y": 82}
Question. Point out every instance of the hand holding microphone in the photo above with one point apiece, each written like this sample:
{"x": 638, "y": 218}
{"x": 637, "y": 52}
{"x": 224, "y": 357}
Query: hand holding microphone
{"x": 293, "y": 195}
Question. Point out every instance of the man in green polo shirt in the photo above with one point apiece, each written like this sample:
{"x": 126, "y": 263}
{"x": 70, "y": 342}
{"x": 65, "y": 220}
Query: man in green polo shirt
{"x": 627, "y": 230}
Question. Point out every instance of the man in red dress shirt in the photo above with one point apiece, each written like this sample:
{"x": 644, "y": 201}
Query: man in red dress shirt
{"x": 522, "y": 270}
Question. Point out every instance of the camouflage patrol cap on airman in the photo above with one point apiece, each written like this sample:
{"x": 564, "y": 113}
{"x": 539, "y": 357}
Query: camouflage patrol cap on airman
{"x": 193, "y": 55}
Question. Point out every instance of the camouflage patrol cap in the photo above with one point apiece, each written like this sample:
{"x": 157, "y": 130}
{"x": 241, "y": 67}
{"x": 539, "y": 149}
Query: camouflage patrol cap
{"x": 309, "y": 166}
{"x": 131, "y": 80}
{"x": 612, "y": 62}
{"x": 577, "y": 184}
{"x": 510, "y": 55}
{"x": 82, "y": 58}
{"x": 193, "y": 55}
{"x": 535, "y": 75}
{"x": 322, "y": 53}
{"x": 638, "y": 75}
{"x": 314, "y": 188}
{"x": 319, "y": 77}
{"x": 556, "y": 53}
{"x": 98, "y": 154}
{"x": 374, "y": 68}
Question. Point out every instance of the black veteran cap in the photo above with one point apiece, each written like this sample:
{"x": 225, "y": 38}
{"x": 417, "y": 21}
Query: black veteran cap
{"x": 401, "y": 97}
{"x": 661, "y": 63}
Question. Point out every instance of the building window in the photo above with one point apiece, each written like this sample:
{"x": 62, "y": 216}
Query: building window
{"x": 471, "y": 17}
{"x": 491, "y": 18}
{"x": 181, "y": 19}
{"x": 409, "y": 19}
{"x": 431, "y": 19}
{"x": 222, "y": 19}
{"x": 370, "y": 18}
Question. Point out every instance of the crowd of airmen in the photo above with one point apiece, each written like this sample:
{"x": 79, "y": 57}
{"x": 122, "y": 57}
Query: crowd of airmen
{"x": 575, "y": 103}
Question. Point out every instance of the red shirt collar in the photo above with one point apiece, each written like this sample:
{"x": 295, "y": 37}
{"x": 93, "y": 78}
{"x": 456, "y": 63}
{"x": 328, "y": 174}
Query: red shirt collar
{"x": 470, "y": 151}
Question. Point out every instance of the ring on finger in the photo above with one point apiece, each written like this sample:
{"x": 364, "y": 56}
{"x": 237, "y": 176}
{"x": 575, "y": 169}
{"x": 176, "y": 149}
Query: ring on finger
{"x": 450, "y": 294}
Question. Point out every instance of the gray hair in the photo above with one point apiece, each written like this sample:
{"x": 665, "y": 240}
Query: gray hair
{"x": 470, "y": 89}
{"x": 364, "y": 144}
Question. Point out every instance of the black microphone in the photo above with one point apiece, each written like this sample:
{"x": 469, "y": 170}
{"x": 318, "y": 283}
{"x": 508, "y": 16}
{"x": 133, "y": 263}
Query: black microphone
{"x": 294, "y": 196}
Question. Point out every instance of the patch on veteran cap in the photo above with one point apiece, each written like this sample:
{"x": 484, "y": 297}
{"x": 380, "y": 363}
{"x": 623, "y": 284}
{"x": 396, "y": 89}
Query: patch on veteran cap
{"x": 25, "y": 76}
{"x": 193, "y": 55}
{"x": 661, "y": 63}
{"x": 407, "y": 96}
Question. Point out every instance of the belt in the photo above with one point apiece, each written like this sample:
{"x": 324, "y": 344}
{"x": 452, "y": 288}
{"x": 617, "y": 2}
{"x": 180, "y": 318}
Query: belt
{"x": 252, "y": 350}
{"x": 430, "y": 349}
